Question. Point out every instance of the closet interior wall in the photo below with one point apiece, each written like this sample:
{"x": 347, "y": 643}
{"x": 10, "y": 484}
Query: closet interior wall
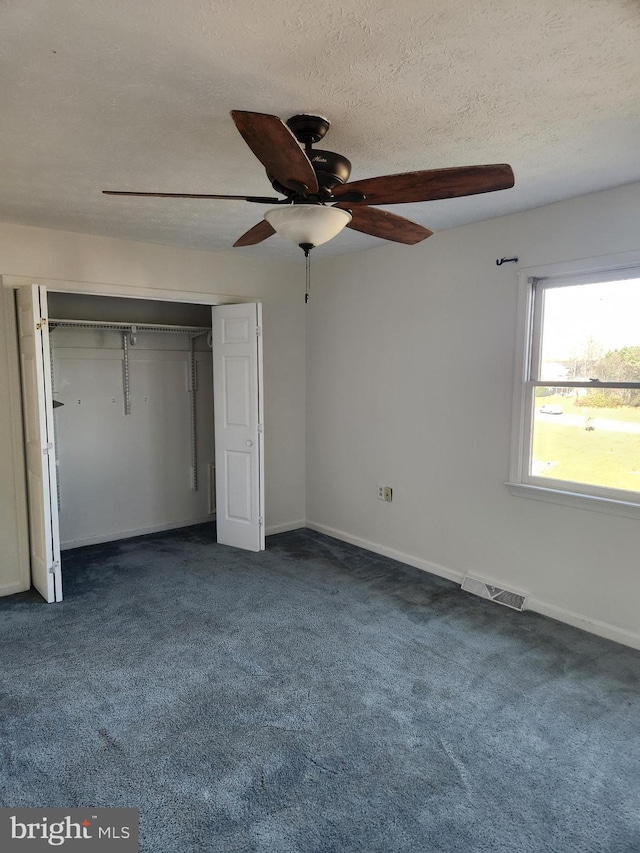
{"x": 129, "y": 427}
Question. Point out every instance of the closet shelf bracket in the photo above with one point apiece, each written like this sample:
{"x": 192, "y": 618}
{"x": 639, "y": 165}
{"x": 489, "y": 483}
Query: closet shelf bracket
{"x": 125, "y": 373}
{"x": 193, "y": 380}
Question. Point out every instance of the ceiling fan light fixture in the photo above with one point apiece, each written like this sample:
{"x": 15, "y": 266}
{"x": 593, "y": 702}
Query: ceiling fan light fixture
{"x": 308, "y": 224}
{"x": 322, "y": 176}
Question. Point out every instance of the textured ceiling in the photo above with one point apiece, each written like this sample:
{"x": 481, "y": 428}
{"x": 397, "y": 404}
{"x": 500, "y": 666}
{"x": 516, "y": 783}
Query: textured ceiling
{"x": 136, "y": 94}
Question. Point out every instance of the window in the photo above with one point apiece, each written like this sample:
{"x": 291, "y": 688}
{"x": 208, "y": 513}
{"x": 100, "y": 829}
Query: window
{"x": 577, "y": 408}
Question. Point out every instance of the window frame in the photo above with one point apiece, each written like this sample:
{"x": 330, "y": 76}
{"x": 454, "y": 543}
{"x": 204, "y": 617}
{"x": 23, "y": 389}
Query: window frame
{"x": 533, "y": 283}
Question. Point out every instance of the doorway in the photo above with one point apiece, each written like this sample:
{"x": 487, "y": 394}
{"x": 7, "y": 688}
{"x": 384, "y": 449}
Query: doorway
{"x": 90, "y": 354}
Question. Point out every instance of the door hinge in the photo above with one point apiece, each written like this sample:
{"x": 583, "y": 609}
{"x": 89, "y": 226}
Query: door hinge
{"x": 259, "y": 428}
{"x": 43, "y": 322}
{"x": 53, "y": 567}
{"x": 47, "y": 448}
{"x": 260, "y": 521}
{"x": 258, "y": 331}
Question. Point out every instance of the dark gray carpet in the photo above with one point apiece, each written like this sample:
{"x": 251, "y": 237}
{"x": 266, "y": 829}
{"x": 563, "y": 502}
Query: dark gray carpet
{"x": 315, "y": 697}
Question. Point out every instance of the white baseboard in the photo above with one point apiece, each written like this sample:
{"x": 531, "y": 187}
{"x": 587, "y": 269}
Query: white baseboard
{"x": 400, "y": 556}
{"x": 592, "y": 626}
{"x": 284, "y": 528}
{"x": 129, "y": 534}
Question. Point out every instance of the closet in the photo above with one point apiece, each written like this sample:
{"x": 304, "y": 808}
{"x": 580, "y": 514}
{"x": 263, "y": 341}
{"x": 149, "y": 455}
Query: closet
{"x": 132, "y": 389}
{"x": 118, "y": 401}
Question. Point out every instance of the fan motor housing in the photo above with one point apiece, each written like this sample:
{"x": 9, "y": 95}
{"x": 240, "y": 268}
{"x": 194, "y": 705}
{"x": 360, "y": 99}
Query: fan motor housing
{"x": 331, "y": 168}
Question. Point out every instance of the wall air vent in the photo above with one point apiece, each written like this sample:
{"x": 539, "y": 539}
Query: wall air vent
{"x": 515, "y": 600}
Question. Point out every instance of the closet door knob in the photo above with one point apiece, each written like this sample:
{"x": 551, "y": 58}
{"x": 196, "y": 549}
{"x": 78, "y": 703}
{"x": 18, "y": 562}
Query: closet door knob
{"x": 249, "y": 443}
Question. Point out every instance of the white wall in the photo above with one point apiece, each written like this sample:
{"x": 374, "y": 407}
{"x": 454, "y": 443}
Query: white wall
{"x": 14, "y": 552}
{"x": 410, "y": 362}
{"x": 127, "y": 474}
{"x": 144, "y": 270}
{"x": 402, "y": 343}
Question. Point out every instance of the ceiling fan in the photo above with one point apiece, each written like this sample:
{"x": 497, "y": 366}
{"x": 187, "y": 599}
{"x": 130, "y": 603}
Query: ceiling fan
{"x": 318, "y": 199}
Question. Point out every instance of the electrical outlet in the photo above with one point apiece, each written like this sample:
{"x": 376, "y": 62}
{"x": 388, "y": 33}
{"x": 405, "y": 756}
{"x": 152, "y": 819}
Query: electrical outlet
{"x": 385, "y": 493}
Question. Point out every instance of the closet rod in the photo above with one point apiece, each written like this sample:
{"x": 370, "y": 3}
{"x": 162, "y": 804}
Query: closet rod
{"x": 126, "y": 327}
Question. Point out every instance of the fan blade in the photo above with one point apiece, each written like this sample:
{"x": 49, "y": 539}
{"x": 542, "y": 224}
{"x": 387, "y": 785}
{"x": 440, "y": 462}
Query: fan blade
{"x": 431, "y": 184}
{"x": 389, "y": 226}
{"x": 254, "y": 198}
{"x": 256, "y": 234}
{"x": 277, "y": 149}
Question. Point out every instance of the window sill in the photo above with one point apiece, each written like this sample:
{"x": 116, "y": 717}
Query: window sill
{"x": 575, "y": 499}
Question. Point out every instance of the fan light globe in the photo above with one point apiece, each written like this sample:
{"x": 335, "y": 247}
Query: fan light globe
{"x": 310, "y": 224}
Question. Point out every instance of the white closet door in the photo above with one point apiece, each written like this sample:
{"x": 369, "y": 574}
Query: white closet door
{"x": 238, "y": 405}
{"x": 37, "y": 402}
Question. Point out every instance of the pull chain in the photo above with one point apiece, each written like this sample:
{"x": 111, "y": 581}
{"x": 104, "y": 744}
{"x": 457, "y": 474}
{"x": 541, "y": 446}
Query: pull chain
{"x": 306, "y": 248}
